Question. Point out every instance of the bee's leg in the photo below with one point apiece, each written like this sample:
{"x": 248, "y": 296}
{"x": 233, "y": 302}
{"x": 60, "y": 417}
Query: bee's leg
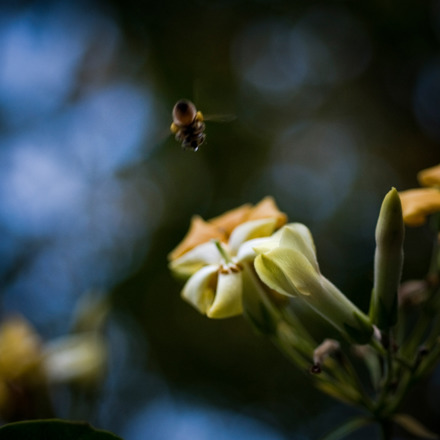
{"x": 174, "y": 128}
{"x": 179, "y": 136}
{"x": 202, "y": 138}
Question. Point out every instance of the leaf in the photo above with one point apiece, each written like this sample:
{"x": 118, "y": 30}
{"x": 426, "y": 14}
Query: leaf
{"x": 414, "y": 426}
{"x": 347, "y": 428}
{"x": 340, "y": 392}
{"x": 53, "y": 429}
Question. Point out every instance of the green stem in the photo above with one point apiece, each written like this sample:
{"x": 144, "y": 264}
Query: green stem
{"x": 384, "y": 396}
{"x": 222, "y": 251}
{"x": 386, "y": 429}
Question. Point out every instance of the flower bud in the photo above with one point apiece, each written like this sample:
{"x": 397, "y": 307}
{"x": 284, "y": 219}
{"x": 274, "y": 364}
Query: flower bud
{"x": 388, "y": 261}
{"x": 322, "y": 352}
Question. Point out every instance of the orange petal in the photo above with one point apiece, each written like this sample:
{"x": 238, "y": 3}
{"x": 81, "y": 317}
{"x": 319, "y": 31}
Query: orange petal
{"x": 430, "y": 176}
{"x": 419, "y": 203}
{"x": 267, "y": 208}
{"x": 231, "y": 219}
{"x": 199, "y": 232}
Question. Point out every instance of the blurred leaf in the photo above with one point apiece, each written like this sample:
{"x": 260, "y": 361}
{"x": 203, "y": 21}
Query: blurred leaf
{"x": 347, "y": 428}
{"x": 414, "y": 426}
{"x": 343, "y": 392}
{"x": 53, "y": 430}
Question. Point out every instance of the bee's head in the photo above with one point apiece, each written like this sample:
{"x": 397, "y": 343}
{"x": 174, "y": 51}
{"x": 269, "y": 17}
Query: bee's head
{"x": 184, "y": 112}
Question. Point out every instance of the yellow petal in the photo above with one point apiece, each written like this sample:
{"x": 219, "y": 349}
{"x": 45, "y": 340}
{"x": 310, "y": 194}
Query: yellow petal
{"x": 267, "y": 208}
{"x": 199, "y": 232}
{"x": 429, "y": 176}
{"x": 231, "y": 219}
{"x": 250, "y": 230}
{"x": 228, "y": 296}
{"x": 20, "y": 348}
{"x": 419, "y": 203}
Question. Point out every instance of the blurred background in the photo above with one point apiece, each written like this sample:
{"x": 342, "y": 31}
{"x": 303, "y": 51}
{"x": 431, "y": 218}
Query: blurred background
{"x": 335, "y": 102}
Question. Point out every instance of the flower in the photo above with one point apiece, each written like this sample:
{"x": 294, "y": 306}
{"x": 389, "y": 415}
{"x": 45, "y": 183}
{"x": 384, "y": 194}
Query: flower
{"x": 287, "y": 263}
{"x": 27, "y": 365}
{"x": 20, "y": 364}
{"x": 210, "y": 256}
{"x": 418, "y": 203}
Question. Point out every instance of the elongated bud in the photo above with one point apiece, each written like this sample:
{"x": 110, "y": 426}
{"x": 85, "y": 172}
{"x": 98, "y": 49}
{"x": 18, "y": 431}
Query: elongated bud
{"x": 388, "y": 261}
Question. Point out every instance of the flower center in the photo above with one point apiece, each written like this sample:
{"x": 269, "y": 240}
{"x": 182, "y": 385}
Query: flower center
{"x": 229, "y": 265}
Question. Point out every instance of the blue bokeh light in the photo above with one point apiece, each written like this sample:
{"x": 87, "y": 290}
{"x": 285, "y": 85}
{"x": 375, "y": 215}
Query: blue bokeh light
{"x": 174, "y": 419}
{"x": 63, "y": 207}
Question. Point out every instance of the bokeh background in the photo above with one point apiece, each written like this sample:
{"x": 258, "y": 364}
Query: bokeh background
{"x": 335, "y": 102}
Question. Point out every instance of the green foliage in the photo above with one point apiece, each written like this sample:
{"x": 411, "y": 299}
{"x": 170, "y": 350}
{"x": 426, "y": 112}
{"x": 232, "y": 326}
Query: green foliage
{"x": 347, "y": 428}
{"x": 413, "y": 426}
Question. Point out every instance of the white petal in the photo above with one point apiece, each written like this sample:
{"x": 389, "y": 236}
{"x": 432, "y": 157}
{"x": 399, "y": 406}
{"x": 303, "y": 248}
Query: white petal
{"x": 250, "y": 249}
{"x": 199, "y": 290}
{"x": 286, "y": 271}
{"x": 250, "y": 230}
{"x": 190, "y": 262}
{"x": 298, "y": 237}
{"x": 75, "y": 357}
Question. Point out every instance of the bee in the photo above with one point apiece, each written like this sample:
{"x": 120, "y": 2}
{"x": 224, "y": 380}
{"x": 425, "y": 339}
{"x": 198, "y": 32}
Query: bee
{"x": 188, "y": 125}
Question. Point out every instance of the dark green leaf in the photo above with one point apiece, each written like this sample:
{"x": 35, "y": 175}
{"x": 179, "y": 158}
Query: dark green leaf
{"x": 53, "y": 430}
{"x": 347, "y": 428}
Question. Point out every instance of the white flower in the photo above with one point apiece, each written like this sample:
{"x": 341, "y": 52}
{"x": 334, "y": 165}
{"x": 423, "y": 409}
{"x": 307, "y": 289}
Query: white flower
{"x": 287, "y": 263}
{"x": 215, "y": 280}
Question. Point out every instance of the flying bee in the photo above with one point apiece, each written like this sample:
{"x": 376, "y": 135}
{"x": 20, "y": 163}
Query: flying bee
{"x": 188, "y": 125}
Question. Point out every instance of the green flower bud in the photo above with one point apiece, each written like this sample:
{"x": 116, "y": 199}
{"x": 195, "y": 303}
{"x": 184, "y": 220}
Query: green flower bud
{"x": 388, "y": 261}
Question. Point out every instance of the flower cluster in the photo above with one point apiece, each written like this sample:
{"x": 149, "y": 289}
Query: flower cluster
{"x": 250, "y": 261}
{"x": 250, "y": 249}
